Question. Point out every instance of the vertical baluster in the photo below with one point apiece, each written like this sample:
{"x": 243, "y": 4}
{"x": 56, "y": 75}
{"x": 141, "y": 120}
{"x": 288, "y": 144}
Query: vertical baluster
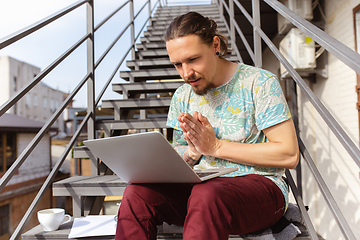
{"x": 132, "y": 29}
{"x": 150, "y": 20}
{"x": 257, "y": 38}
{"x": 232, "y": 27}
{"x": 221, "y": 8}
{"x": 91, "y": 80}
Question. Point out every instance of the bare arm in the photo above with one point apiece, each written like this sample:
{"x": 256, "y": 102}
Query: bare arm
{"x": 281, "y": 151}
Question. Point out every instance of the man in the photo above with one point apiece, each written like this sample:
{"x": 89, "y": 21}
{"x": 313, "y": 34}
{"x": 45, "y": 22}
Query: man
{"x": 226, "y": 115}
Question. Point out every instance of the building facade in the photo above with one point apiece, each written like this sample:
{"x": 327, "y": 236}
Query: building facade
{"x": 15, "y": 135}
{"x": 40, "y": 103}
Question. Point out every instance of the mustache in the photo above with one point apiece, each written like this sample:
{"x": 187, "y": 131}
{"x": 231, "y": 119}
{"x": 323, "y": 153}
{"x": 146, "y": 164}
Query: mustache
{"x": 191, "y": 78}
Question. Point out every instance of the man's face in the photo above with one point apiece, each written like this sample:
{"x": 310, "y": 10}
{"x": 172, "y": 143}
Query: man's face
{"x": 194, "y": 60}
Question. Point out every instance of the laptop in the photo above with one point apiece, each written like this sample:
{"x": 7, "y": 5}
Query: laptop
{"x": 148, "y": 158}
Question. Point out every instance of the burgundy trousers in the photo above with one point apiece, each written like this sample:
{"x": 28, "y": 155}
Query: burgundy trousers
{"x": 209, "y": 210}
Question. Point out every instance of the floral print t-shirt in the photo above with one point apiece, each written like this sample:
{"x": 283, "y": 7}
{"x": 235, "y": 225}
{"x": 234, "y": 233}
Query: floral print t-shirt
{"x": 249, "y": 102}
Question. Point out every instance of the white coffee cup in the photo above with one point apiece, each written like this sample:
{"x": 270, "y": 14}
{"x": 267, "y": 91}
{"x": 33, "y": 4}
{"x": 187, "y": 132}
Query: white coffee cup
{"x": 51, "y": 219}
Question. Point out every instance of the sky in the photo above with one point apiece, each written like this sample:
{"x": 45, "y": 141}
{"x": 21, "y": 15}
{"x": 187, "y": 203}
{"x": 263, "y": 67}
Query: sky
{"x": 46, "y": 45}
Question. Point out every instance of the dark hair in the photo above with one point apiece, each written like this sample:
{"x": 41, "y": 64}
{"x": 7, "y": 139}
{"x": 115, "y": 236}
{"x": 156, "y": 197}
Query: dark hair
{"x": 195, "y": 23}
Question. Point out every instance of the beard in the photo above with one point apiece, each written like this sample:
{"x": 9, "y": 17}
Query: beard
{"x": 204, "y": 90}
{"x": 199, "y": 90}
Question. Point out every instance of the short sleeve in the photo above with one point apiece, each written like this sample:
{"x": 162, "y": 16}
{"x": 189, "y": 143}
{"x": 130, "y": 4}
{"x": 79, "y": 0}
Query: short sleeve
{"x": 270, "y": 104}
{"x": 178, "y": 104}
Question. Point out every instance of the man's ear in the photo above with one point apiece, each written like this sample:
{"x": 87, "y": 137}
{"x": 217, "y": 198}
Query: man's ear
{"x": 216, "y": 44}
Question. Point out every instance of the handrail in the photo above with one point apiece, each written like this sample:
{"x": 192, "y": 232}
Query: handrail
{"x": 16, "y": 165}
{"x": 12, "y": 38}
{"x": 300, "y": 203}
{"x": 111, "y": 46}
{"x": 233, "y": 45}
{"x": 110, "y": 15}
{"x": 328, "y": 118}
{"x": 89, "y": 37}
{"x": 338, "y": 49}
{"x": 344, "y": 139}
{"x": 339, "y": 217}
{"x": 9, "y": 103}
{"x": 343, "y": 53}
{"x": 19, "y": 229}
{"x": 122, "y": 60}
{"x": 30, "y": 147}
{"x": 116, "y": 39}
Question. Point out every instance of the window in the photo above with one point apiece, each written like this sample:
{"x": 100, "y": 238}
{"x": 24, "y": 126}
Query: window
{"x": 45, "y": 102}
{"x": 4, "y": 221}
{"x": 7, "y": 150}
{"x": 35, "y": 100}
{"x": 52, "y": 105}
{"x": 14, "y": 84}
{"x": 28, "y": 100}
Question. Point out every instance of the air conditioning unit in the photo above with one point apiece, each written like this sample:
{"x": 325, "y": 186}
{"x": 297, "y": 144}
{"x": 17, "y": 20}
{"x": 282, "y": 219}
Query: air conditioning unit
{"x": 303, "y": 8}
{"x": 299, "y": 50}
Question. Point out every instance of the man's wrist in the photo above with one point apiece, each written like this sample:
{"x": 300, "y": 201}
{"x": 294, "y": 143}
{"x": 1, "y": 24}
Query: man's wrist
{"x": 191, "y": 160}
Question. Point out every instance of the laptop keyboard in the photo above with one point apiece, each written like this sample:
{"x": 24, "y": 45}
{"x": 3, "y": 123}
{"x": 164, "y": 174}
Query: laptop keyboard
{"x": 204, "y": 174}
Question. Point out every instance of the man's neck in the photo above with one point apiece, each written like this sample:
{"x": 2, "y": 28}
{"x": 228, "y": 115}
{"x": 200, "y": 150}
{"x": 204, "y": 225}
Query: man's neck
{"x": 226, "y": 70}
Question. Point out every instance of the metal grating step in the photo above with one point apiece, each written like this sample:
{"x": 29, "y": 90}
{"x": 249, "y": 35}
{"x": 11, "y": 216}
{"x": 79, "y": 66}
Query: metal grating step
{"x": 154, "y": 53}
{"x": 149, "y": 63}
{"x": 151, "y": 45}
{"x": 109, "y": 125}
{"x": 138, "y": 103}
{"x": 150, "y": 74}
{"x": 161, "y": 32}
{"x": 164, "y": 27}
{"x": 147, "y": 87}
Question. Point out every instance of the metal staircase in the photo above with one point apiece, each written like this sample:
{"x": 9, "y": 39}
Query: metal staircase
{"x": 151, "y": 81}
{"x": 146, "y": 94}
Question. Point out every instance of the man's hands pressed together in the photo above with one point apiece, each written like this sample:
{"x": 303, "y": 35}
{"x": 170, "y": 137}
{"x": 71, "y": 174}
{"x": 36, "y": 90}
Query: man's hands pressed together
{"x": 199, "y": 135}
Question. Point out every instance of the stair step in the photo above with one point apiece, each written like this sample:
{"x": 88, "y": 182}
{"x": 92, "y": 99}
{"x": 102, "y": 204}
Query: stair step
{"x": 170, "y": 16}
{"x": 151, "y": 45}
{"x": 197, "y": 8}
{"x": 102, "y": 185}
{"x": 108, "y": 125}
{"x": 161, "y": 32}
{"x": 138, "y": 103}
{"x": 149, "y": 63}
{"x": 153, "y": 52}
{"x": 205, "y": 11}
{"x": 147, "y": 87}
{"x": 165, "y": 231}
{"x": 36, "y": 233}
{"x": 150, "y": 74}
{"x": 168, "y": 21}
{"x": 220, "y": 24}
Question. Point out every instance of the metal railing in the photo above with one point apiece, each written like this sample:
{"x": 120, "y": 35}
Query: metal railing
{"x": 339, "y": 50}
{"x": 88, "y": 79}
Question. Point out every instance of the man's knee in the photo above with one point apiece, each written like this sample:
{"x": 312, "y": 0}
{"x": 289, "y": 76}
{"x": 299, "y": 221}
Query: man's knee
{"x": 207, "y": 195}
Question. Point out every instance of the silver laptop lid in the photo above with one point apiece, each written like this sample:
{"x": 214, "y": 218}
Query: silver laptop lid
{"x": 145, "y": 158}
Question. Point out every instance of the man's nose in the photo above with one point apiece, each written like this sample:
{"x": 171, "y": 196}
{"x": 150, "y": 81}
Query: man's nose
{"x": 187, "y": 71}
